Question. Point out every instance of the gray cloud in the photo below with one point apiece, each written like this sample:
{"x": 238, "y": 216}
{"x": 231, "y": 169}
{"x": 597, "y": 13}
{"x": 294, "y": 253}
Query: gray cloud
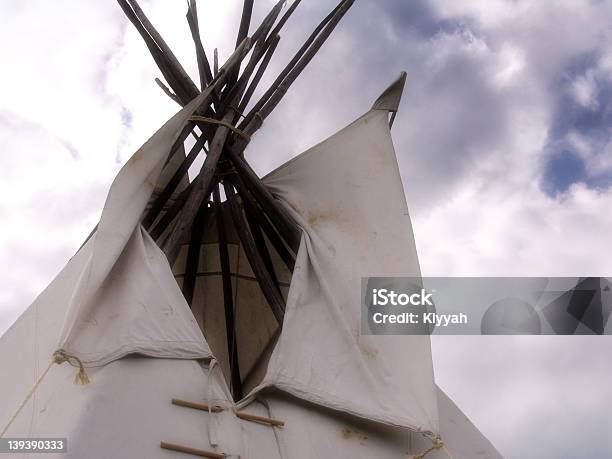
{"x": 494, "y": 89}
{"x": 536, "y": 397}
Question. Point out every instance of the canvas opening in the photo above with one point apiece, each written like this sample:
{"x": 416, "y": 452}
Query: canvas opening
{"x": 256, "y": 328}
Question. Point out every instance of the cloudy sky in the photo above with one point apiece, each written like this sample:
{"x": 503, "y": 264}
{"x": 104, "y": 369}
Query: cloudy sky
{"x": 504, "y": 139}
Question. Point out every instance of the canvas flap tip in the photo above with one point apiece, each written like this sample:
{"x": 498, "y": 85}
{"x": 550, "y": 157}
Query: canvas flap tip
{"x": 391, "y": 96}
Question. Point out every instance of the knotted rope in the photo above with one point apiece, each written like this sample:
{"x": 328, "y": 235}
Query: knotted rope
{"x": 437, "y": 443}
{"x": 60, "y": 356}
{"x": 25, "y": 400}
{"x": 205, "y": 119}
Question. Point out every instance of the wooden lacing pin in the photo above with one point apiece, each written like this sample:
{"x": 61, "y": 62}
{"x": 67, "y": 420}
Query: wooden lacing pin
{"x": 193, "y": 451}
{"x": 197, "y": 406}
{"x": 260, "y": 419}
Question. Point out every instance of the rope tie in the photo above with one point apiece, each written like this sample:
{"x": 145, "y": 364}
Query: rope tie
{"x": 60, "y": 356}
{"x": 25, "y": 400}
{"x": 212, "y": 428}
{"x": 437, "y": 444}
{"x": 205, "y": 119}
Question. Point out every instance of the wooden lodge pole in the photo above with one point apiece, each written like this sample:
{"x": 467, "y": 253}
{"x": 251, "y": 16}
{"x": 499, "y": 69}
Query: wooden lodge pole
{"x": 264, "y": 279}
{"x": 228, "y": 297}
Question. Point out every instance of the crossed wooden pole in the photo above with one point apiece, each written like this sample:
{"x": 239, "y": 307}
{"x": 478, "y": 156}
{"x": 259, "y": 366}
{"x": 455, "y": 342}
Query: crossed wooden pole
{"x": 223, "y": 137}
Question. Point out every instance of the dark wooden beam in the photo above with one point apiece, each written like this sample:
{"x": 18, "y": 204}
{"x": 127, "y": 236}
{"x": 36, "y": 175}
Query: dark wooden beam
{"x": 180, "y": 140}
{"x": 259, "y": 74}
{"x": 245, "y": 20}
{"x": 215, "y": 62}
{"x": 268, "y": 22}
{"x": 168, "y": 217}
{"x": 252, "y": 125}
{"x": 200, "y": 190}
{"x": 232, "y": 94}
{"x": 228, "y": 297}
{"x": 201, "y": 187}
{"x": 291, "y": 65}
{"x": 243, "y": 32}
{"x": 187, "y": 85}
{"x": 160, "y": 59}
{"x": 257, "y": 212}
{"x": 260, "y": 242}
{"x": 284, "y": 18}
{"x": 168, "y": 92}
{"x": 174, "y": 181}
{"x": 193, "y": 254}
{"x": 282, "y": 220}
{"x": 262, "y": 44}
{"x": 264, "y": 279}
{"x": 217, "y": 82}
{"x": 203, "y": 64}
{"x": 156, "y": 53}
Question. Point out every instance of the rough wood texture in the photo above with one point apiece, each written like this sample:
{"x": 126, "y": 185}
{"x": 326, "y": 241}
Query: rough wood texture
{"x": 245, "y": 20}
{"x": 229, "y": 93}
{"x": 298, "y": 55}
{"x": 240, "y": 85}
{"x": 217, "y": 82}
{"x": 174, "y": 181}
{"x": 243, "y": 31}
{"x": 260, "y": 242}
{"x": 156, "y": 53}
{"x": 167, "y": 91}
{"x": 284, "y": 18}
{"x": 189, "y": 450}
{"x": 265, "y": 281}
{"x": 259, "y": 74}
{"x": 261, "y": 46}
{"x": 285, "y": 224}
{"x": 193, "y": 254}
{"x": 163, "y": 223}
{"x": 268, "y": 21}
{"x": 256, "y": 121}
{"x": 228, "y": 297}
{"x": 258, "y": 213}
{"x": 260, "y": 419}
{"x": 215, "y": 62}
{"x": 196, "y": 406}
{"x": 173, "y": 71}
{"x": 201, "y": 189}
{"x": 203, "y": 64}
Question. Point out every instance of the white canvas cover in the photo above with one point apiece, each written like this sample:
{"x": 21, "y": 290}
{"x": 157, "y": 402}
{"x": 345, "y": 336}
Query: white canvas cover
{"x": 123, "y": 301}
{"x": 117, "y": 297}
{"x": 346, "y": 194}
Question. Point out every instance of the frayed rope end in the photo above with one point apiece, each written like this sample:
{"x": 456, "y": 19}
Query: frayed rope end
{"x": 437, "y": 444}
{"x": 60, "y": 356}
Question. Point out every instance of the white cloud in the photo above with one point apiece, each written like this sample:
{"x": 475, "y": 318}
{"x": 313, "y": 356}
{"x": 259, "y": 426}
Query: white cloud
{"x": 510, "y": 62}
{"x": 470, "y": 134}
{"x": 585, "y": 91}
{"x": 535, "y": 397}
{"x": 596, "y": 153}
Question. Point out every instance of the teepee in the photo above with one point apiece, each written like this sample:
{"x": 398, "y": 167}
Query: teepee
{"x": 219, "y": 316}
